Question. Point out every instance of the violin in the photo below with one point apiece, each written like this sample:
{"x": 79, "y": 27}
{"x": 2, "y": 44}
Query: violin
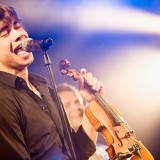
{"x": 107, "y": 120}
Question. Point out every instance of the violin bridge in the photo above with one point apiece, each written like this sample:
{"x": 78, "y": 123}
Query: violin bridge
{"x": 129, "y": 134}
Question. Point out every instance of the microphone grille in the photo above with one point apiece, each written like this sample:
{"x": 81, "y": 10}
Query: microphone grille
{"x": 25, "y": 45}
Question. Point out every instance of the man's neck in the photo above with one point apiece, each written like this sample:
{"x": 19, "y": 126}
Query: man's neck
{"x": 23, "y": 74}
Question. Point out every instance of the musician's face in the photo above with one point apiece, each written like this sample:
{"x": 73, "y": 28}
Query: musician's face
{"x": 73, "y": 107}
{"x": 12, "y": 57}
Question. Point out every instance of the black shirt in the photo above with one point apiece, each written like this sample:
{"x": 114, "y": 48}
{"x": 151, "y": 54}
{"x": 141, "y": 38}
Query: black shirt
{"x": 30, "y": 126}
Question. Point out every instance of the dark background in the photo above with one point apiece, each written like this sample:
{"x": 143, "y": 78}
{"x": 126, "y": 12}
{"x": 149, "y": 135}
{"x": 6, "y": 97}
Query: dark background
{"x": 118, "y": 42}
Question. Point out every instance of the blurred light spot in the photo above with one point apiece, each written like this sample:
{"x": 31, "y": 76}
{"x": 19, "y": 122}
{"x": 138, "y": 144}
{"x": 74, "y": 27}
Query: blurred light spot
{"x": 117, "y": 18}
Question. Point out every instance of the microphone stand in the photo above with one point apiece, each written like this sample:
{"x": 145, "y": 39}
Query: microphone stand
{"x": 47, "y": 63}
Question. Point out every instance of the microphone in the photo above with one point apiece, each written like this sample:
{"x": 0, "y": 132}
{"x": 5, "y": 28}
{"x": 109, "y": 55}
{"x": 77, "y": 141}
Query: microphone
{"x": 30, "y": 45}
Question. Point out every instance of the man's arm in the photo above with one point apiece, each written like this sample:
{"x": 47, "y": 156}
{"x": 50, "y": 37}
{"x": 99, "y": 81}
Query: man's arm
{"x": 84, "y": 146}
{"x": 96, "y": 86}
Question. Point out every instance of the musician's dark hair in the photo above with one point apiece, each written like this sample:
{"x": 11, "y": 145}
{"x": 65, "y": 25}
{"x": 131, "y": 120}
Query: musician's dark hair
{"x": 8, "y": 16}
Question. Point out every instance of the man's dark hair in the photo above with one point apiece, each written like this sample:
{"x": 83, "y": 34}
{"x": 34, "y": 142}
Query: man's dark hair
{"x": 8, "y": 17}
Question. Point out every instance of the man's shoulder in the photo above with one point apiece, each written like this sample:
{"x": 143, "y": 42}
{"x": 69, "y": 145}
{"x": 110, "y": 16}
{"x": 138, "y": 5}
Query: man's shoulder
{"x": 37, "y": 77}
{"x": 3, "y": 87}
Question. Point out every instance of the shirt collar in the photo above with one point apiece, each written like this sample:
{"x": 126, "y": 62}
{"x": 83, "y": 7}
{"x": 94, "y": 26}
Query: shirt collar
{"x": 13, "y": 80}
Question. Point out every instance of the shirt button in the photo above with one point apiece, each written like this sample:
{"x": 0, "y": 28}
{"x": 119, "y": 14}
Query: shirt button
{"x": 20, "y": 79}
{"x": 43, "y": 108}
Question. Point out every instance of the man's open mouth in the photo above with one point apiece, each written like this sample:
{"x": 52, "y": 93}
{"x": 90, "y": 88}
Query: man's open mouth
{"x": 18, "y": 49}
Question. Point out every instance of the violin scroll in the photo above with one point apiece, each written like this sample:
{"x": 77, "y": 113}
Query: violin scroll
{"x": 64, "y": 65}
{"x": 64, "y": 69}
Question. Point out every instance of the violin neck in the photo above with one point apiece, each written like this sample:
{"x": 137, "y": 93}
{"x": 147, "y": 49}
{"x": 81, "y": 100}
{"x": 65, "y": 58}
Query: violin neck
{"x": 117, "y": 119}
